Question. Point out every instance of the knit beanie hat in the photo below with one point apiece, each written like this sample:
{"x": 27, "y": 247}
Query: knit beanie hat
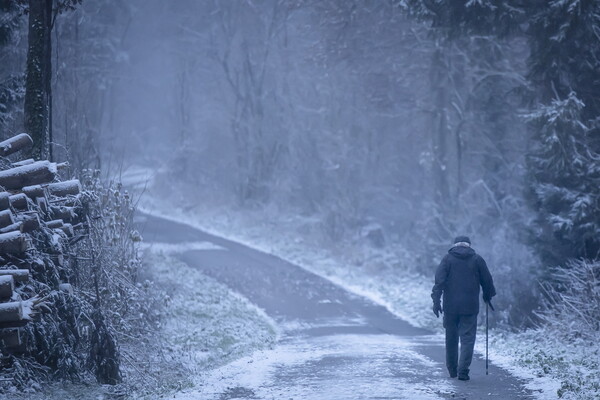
{"x": 459, "y": 239}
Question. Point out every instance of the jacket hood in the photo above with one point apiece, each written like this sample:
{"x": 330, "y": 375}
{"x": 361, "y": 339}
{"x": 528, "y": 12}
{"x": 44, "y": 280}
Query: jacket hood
{"x": 461, "y": 251}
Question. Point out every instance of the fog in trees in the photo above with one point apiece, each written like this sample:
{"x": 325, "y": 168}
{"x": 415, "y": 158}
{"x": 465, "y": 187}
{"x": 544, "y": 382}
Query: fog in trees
{"x": 396, "y": 124}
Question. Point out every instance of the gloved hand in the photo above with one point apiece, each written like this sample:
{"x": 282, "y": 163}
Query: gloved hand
{"x": 437, "y": 309}
{"x": 489, "y": 303}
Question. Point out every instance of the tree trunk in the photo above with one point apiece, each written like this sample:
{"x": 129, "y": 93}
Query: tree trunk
{"x": 439, "y": 81}
{"x": 37, "y": 85}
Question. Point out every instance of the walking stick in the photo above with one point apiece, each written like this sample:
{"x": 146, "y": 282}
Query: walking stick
{"x": 488, "y": 304}
{"x": 486, "y": 337}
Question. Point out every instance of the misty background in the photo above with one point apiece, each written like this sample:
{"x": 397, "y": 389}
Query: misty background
{"x": 388, "y": 121}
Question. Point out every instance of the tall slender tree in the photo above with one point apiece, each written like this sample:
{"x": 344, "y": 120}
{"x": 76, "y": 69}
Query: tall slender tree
{"x": 38, "y": 77}
{"x": 38, "y": 83}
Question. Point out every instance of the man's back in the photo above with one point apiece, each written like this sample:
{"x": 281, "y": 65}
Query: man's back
{"x": 458, "y": 277}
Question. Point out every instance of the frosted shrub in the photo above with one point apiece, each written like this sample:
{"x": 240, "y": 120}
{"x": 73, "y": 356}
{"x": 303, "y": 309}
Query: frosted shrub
{"x": 572, "y": 299}
{"x": 124, "y": 308}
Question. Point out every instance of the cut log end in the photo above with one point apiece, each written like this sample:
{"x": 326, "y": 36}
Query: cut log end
{"x": 7, "y": 286}
{"x": 6, "y": 218}
{"x": 10, "y": 338}
{"x": 19, "y": 201}
{"x": 11, "y": 312}
{"x": 13, "y": 243}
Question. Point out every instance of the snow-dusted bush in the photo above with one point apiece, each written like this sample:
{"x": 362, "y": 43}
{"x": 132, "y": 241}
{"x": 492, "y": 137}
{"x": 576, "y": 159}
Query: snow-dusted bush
{"x": 125, "y": 309}
{"x": 572, "y": 299}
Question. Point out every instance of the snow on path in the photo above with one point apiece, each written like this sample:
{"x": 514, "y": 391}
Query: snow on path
{"x": 334, "y": 344}
{"x": 328, "y": 367}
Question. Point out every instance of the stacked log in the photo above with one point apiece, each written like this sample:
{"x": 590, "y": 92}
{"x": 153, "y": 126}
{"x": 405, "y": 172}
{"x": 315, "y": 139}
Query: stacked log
{"x": 7, "y": 286}
{"x": 4, "y": 200}
{"x": 14, "y": 144}
{"x": 18, "y": 275}
{"x": 32, "y": 198}
{"x": 13, "y": 243}
{"x": 6, "y": 218}
{"x": 16, "y": 178}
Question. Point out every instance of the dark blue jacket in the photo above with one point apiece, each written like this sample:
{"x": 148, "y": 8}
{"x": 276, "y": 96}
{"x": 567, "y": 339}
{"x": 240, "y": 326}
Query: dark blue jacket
{"x": 458, "y": 278}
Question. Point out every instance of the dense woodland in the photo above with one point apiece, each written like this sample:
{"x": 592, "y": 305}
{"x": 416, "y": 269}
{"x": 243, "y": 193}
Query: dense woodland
{"x": 428, "y": 118}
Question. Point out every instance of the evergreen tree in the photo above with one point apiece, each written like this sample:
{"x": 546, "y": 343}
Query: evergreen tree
{"x": 565, "y": 165}
{"x": 564, "y": 73}
{"x": 566, "y": 182}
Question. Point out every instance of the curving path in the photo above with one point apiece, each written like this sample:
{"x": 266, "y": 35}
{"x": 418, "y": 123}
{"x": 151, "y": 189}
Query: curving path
{"x": 334, "y": 344}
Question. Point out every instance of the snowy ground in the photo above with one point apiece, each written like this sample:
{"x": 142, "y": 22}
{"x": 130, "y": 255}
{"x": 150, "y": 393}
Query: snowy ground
{"x": 548, "y": 364}
{"x": 313, "y": 371}
{"x": 333, "y": 345}
{"x": 208, "y": 324}
{"x": 205, "y": 326}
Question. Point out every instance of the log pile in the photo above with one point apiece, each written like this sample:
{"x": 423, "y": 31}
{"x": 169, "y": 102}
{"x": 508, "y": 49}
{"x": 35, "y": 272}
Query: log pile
{"x": 32, "y": 198}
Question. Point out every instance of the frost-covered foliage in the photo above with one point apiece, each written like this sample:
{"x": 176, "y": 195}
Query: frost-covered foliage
{"x": 125, "y": 309}
{"x": 87, "y": 323}
{"x": 559, "y": 88}
{"x": 572, "y": 300}
{"x": 566, "y": 169}
{"x": 570, "y": 363}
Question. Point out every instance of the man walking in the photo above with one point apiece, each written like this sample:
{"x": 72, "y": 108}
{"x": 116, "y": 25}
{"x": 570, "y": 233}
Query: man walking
{"x": 458, "y": 278}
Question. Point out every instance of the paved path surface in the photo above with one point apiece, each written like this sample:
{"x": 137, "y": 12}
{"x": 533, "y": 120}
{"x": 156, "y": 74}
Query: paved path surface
{"x": 334, "y": 344}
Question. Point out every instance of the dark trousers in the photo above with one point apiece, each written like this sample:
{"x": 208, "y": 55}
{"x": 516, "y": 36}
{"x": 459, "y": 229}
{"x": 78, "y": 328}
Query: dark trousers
{"x": 463, "y": 327}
